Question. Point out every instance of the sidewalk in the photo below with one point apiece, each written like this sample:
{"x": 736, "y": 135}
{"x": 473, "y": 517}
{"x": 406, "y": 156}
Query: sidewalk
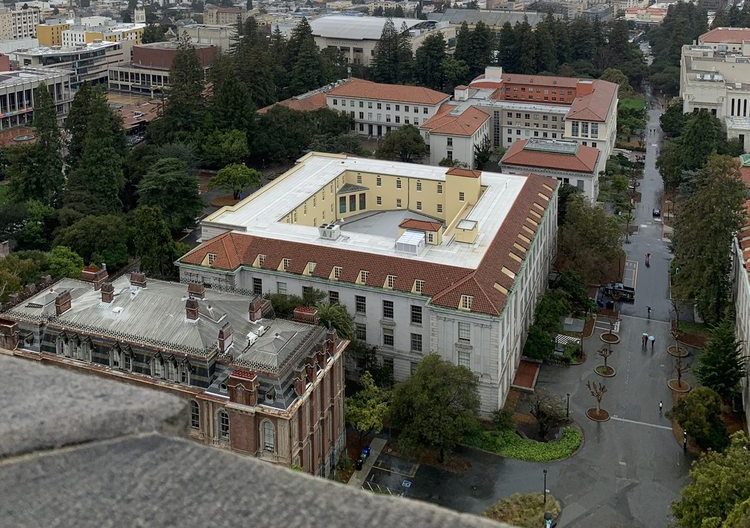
{"x": 359, "y": 477}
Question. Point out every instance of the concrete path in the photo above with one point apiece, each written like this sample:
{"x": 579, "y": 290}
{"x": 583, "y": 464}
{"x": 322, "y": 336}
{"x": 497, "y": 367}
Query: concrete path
{"x": 358, "y": 477}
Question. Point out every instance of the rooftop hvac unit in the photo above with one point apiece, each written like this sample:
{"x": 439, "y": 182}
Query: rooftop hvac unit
{"x": 411, "y": 242}
{"x": 329, "y": 231}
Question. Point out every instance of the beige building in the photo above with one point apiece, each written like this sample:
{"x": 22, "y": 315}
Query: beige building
{"x": 79, "y": 34}
{"x": 51, "y": 34}
{"x": 224, "y": 16}
{"x": 18, "y": 23}
{"x": 219, "y": 36}
{"x": 427, "y": 259}
{"x": 715, "y": 76}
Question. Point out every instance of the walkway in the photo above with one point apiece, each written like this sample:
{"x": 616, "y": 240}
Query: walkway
{"x": 358, "y": 477}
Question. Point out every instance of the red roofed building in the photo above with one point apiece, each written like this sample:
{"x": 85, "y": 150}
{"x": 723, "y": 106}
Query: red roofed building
{"x": 566, "y": 161}
{"x": 454, "y": 132}
{"x": 425, "y": 258}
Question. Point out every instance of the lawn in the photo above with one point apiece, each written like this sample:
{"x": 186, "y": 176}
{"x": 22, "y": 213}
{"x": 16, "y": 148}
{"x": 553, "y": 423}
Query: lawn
{"x": 635, "y": 103}
{"x": 691, "y": 327}
{"x": 509, "y": 444}
{"x": 524, "y": 510}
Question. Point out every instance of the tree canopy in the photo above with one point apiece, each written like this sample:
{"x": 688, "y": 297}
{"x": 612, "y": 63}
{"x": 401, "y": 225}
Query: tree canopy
{"x": 721, "y": 365}
{"x": 402, "y": 144}
{"x": 699, "y": 413}
{"x": 170, "y": 186}
{"x": 235, "y": 178}
{"x": 367, "y": 410}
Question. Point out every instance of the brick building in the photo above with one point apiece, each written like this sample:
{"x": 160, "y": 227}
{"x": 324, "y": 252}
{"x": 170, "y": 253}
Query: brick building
{"x": 257, "y": 385}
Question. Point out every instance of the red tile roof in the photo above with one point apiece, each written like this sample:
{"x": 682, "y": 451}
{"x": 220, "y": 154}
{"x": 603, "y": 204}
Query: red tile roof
{"x": 464, "y": 124}
{"x": 420, "y": 225}
{"x": 466, "y": 173}
{"x": 444, "y": 283}
{"x": 388, "y": 92}
{"x": 584, "y": 160}
{"x": 302, "y": 103}
{"x": 725, "y": 35}
{"x": 595, "y": 105}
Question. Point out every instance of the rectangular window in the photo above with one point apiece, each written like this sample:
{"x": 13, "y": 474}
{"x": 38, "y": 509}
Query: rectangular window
{"x": 416, "y": 342}
{"x": 342, "y": 204}
{"x": 594, "y": 130}
{"x": 388, "y": 337}
{"x": 464, "y": 332}
{"x": 307, "y": 292}
{"x": 369, "y": 104}
{"x": 359, "y": 178}
{"x": 390, "y": 281}
{"x": 360, "y": 331}
{"x": 352, "y": 202}
{"x": 406, "y": 108}
{"x": 419, "y": 206}
{"x": 398, "y": 108}
{"x": 281, "y": 287}
{"x": 387, "y": 309}
{"x": 285, "y": 263}
{"x": 449, "y": 142}
{"x": 362, "y": 201}
{"x": 223, "y": 424}
{"x": 257, "y": 286}
{"x": 467, "y": 301}
{"x": 361, "y": 104}
{"x": 464, "y": 359}
{"x": 380, "y": 106}
{"x": 379, "y": 200}
{"x": 398, "y": 202}
{"x": 449, "y": 155}
{"x": 333, "y": 297}
{"x": 440, "y": 188}
{"x": 424, "y": 110}
{"x": 398, "y": 183}
{"x": 387, "y": 106}
{"x": 398, "y": 119}
{"x": 461, "y": 196}
{"x": 574, "y": 128}
{"x": 416, "y": 314}
{"x": 378, "y": 181}
{"x": 337, "y": 272}
{"x": 418, "y": 286}
{"x": 419, "y": 185}
{"x": 585, "y": 129}
{"x": 360, "y": 304}
{"x": 361, "y": 116}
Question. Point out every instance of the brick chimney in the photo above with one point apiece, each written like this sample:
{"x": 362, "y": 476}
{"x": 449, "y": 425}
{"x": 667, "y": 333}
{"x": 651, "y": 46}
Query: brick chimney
{"x": 108, "y": 292}
{"x": 242, "y": 386}
{"x": 62, "y": 302}
{"x": 138, "y": 279}
{"x": 255, "y": 312}
{"x": 191, "y": 309}
{"x": 585, "y": 87}
{"x": 96, "y": 276}
{"x": 306, "y": 314}
{"x": 8, "y": 334}
{"x": 225, "y": 337}
{"x": 196, "y": 291}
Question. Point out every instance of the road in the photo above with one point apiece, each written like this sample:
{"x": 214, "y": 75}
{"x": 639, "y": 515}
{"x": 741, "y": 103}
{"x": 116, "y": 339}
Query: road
{"x": 630, "y": 468}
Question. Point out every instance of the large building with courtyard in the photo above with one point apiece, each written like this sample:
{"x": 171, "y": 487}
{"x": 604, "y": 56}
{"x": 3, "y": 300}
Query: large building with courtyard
{"x": 426, "y": 259}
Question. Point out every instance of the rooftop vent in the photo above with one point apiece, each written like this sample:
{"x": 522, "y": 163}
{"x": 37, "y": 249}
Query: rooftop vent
{"x": 411, "y": 242}
{"x": 329, "y": 231}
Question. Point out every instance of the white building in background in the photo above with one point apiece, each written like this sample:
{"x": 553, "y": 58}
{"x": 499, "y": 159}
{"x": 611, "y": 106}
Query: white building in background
{"x": 715, "y": 76}
{"x": 454, "y": 133}
{"x": 427, "y": 259}
{"x": 219, "y": 36}
{"x": 17, "y": 94}
{"x": 18, "y": 23}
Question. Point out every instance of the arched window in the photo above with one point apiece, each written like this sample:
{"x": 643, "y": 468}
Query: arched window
{"x": 195, "y": 415}
{"x": 223, "y": 425}
{"x": 269, "y": 436}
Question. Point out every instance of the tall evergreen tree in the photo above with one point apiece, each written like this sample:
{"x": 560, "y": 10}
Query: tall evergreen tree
{"x": 170, "y": 185}
{"x": 153, "y": 242}
{"x": 231, "y": 107}
{"x": 462, "y": 50}
{"x": 392, "y": 56}
{"x": 39, "y": 174}
{"x": 184, "y": 107}
{"x": 507, "y": 48}
{"x": 307, "y": 71}
{"x": 721, "y": 366}
{"x": 428, "y": 65}
{"x": 545, "y": 53}
{"x": 481, "y": 46}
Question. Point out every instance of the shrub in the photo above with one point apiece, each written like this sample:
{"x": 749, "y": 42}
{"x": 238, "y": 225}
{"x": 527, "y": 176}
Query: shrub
{"x": 509, "y": 444}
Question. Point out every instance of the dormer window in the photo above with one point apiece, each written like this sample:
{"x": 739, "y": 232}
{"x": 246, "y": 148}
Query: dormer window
{"x": 261, "y": 260}
{"x": 390, "y": 281}
{"x": 362, "y": 278}
{"x": 285, "y": 263}
{"x": 336, "y": 272}
{"x": 467, "y": 301}
{"x": 211, "y": 259}
{"x": 418, "y": 286}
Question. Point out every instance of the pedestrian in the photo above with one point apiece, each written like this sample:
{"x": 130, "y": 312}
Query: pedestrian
{"x": 652, "y": 339}
{"x": 661, "y": 406}
{"x": 644, "y": 340}
{"x": 648, "y": 309}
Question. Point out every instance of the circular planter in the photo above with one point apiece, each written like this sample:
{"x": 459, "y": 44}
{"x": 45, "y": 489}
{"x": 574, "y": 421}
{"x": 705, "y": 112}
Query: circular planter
{"x": 672, "y": 384}
{"x": 597, "y": 416}
{"x": 677, "y": 351}
{"x": 607, "y": 372}
{"x": 612, "y": 339}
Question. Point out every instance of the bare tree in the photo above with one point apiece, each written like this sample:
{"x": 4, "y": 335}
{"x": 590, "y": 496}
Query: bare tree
{"x": 597, "y": 391}
{"x": 605, "y": 352}
{"x": 548, "y": 411}
{"x": 680, "y": 368}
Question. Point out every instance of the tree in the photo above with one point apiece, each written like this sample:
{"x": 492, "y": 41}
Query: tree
{"x": 589, "y": 240}
{"x": 455, "y": 72}
{"x": 347, "y": 143}
{"x": 549, "y": 413}
{"x": 235, "y": 178}
{"x": 673, "y": 119}
{"x": 64, "y": 262}
{"x": 699, "y": 413}
{"x": 77, "y": 121}
{"x": 403, "y": 144}
{"x": 221, "y": 148}
{"x": 336, "y": 316}
{"x": 367, "y": 409}
{"x": 616, "y": 76}
{"x": 365, "y": 358}
{"x": 597, "y": 390}
{"x": 703, "y": 231}
{"x": 98, "y": 239}
{"x": 721, "y": 365}
{"x": 540, "y": 343}
{"x": 482, "y": 153}
{"x": 153, "y": 242}
{"x": 37, "y": 172}
{"x": 436, "y": 407}
{"x": 428, "y": 63}
{"x": 153, "y": 33}
{"x": 283, "y": 134}
{"x": 392, "y": 59}
{"x": 307, "y": 73}
{"x": 605, "y": 352}
{"x": 170, "y": 186}
{"x": 462, "y": 51}
{"x": 231, "y": 105}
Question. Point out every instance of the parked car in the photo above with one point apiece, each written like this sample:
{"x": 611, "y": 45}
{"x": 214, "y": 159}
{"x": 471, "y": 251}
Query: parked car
{"x": 619, "y": 292}
{"x": 656, "y": 213}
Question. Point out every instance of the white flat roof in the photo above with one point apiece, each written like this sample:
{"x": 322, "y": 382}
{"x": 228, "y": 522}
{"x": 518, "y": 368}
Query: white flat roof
{"x": 259, "y": 214}
{"x": 356, "y": 27}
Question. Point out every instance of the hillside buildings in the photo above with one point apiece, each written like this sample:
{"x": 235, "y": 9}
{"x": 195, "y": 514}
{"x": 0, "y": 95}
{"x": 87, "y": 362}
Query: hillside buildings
{"x": 427, "y": 259}
{"x": 17, "y": 94}
{"x": 715, "y": 75}
{"x": 18, "y": 23}
{"x": 219, "y": 36}
{"x": 260, "y": 386}
{"x": 224, "y": 16}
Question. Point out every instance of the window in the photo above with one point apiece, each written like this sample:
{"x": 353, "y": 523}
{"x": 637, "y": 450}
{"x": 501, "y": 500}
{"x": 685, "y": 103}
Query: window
{"x": 464, "y": 332}
{"x": 398, "y": 107}
{"x": 333, "y": 297}
{"x": 285, "y": 263}
{"x": 461, "y": 196}
{"x": 380, "y": 106}
{"x": 363, "y": 274}
{"x": 127, "y": 362}
{"x": 379, "y": 200}
{"x": 378, "y": 181}
{"x": 449, "y": 142}
{"x": 211, "y": 259}
{"x": 419, "y": 185}
{"x": 594, "y": 130}
{"x": 440, "y": 188}
{"x": 406, "y": 108}
{"x": 281, "y": 287}
{"x": 416, "y": 342}
{"x": 269, "y": 442}
{"x": 424, "y": 110}
{"x": 387, "y": 106}
{"x": 223, "y": 425}
{"x": 335, "y": 102}
{"x": 352, "y": 202}
{"x": 449, "y": 155}
{"x": 361, "y": 104}
{"x": 464, "y": 359}
{"x": 361, "y": 116}
{"x": 398, "y": 183}
{"x": 342, "y": 204}
{"x": 574, "y": 128}
{"x": 466, "y": 302}
{"x": 387, "y": 309}
{"x": 390, "y": 280}
{"x": 416, "y": 314}
{"x": 337, "y": 272}
{"x": 398, "y": 202}
{"x": 362, "y": 201}
{"x": 195, "y": 415}
{"x": 398, "y": 119}
{"x": 360, "y": 331}
{"x": 261, "y": 260}
{"x": 388, "y": 337}
{"x": 413, "y": 368}
{"x": 418, "y": 286}
{"x": 359, "y": 178}
{"x": 360, "y": 304}
{"x": 369, "y": 104}
{"x": 430, "y": 238}
{"x": 419, "y": 206}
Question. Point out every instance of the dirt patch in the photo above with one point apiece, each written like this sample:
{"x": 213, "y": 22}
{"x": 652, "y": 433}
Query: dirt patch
{"x": 692, "y": 340}
{"x": 588, "y": 327}
{"x": 222, "y": 201}
{"x": 597, "y": 416}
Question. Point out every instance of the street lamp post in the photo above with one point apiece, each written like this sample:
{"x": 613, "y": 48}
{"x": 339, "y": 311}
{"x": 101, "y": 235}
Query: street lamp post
{"x": 684, "y": 440}
{"x": 567, "y": 406}
{"x": 545, "y": 487}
